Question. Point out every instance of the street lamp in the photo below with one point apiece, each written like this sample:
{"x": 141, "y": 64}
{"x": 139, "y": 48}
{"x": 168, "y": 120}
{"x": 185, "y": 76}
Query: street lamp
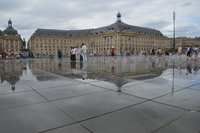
{"x": 174, "y": 17}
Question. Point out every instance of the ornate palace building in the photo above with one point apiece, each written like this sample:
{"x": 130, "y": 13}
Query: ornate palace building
{"x": 121, "y": 36}
{"x": 10, "y": 40}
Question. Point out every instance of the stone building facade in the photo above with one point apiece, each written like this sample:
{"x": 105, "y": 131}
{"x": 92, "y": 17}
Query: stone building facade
{"x": 184, "y": 41}
{"x": 10, "y": 40}
{"x": 121, "y": 36}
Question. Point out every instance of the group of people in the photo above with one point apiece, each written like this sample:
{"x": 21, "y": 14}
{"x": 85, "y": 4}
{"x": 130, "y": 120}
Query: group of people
{"x": 75, "y": 53}
{"x": 80, "y": 53}
{"x": 10, "y": 55}
{"x": 189, "y": 51}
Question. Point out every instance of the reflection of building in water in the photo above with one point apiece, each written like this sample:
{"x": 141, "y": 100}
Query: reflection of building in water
{"x": 124, "y": 67}
{"x": 10, "y": 72}
{"x": 49, "y": 65}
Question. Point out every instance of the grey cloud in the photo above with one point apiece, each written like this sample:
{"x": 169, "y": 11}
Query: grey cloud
{"x": 157, "y": 24}
{"x": 187, "y": 4}
{"x": 27, "y": 16}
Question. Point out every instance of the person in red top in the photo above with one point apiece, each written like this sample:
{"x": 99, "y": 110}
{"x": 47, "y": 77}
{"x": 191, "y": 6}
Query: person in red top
{"x": 112, "y": 51}
{"x": 3, "y": 55}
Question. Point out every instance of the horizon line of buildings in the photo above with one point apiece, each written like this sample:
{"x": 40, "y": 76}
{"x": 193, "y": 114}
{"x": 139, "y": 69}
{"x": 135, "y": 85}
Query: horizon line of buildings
{"x": 121, "y": 36}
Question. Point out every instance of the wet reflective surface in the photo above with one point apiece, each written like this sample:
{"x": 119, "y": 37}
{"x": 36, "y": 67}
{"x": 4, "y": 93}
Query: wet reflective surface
{"x": 104, "y": 94}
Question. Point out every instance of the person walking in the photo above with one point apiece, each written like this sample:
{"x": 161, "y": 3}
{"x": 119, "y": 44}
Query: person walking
{"x": 84, "y": 52}
{"x": 196, "y": 50}
{"x": 189, "y": 51}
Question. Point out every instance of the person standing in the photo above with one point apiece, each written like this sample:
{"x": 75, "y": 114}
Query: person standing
{"x": 76, "y": 53}
{"x": 112, "y": 51}
{"x": 189, "y": 51}
{"x": 180, "y": 51}
{"x": 2, "y": 55}
{"x": 159, "y": 52}
{"x": 84, "y": 52}
{"x": 59, "y": 54}
{"x": 73, "y": 54}
{"x": 80, "y": 53}
{"x": 166, "y": 52}
{"x": 153, "y": 51}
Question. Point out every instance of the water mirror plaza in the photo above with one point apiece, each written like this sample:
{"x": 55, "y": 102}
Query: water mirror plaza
{"x": 124, "y": 94}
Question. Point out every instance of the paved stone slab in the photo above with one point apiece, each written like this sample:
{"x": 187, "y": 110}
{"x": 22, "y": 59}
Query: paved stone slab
{"x": 20, "y": 99}
{"x": 186, "y": 124}
{"x": 32, "y": 119}
{"x": 196, "y": 87}
{"x": 43, "y": 80}
{"x": 142, "y": 118}
{"x": 105, "y": 84}
{"x": 88, "y": 106}
{"x": 50, "y": 84}
{"x": 133, "y": 82}
{"x": 177, "y": 82}
{"x": 186, "y": 98}
{"x": 6, "y": 87}
{"x": 147, "y": 90}
{"x": 94, "y": 103}
{"x": 69, "y": 91}
{"x": 75, "y": 128}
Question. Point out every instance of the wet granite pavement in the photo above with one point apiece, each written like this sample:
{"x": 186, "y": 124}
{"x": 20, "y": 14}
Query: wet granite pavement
{"x": 134, "y": 94}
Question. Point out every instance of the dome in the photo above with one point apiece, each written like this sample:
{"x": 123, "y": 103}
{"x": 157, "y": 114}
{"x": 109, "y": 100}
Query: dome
{"x": 118, "y": 14}
{"x": 9, "y": 21}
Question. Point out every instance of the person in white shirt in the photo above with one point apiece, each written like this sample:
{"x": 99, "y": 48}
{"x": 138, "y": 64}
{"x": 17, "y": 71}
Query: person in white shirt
{"x": 196, "y": 50}
{"x": 73, "y": 54}
{"x": 80, "y": 53}
{"x": 84, "y": 52}
{"x": 75, "y": 49}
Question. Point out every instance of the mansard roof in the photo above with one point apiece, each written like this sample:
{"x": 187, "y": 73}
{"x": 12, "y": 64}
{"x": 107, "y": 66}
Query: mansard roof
{"x": 117, "y": 26}
{"x": 10, "y": 31}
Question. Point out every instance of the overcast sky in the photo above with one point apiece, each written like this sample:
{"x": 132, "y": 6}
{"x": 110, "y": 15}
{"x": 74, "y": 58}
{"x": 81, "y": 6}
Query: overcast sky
{"x": 29, "y": 15}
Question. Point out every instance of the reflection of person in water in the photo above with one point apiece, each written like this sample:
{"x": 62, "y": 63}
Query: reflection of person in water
{"x": 84, "y": 70}
{"x": 84, "y": 75}
{"x": 153, "y": 64}
{"x": 189, "y": 68}
{"x": 81, "y": 65}
{"x": 73, "y": 65}
{"x": 73, "y": 68}
{"x": 113, "y": 68}
{"x": 179, "y": 69}
{"x": 195, "y": 68}
{"x": 59, "y": 64}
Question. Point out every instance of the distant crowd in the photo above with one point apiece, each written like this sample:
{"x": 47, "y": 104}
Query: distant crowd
{"x": 81, "y": 53}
